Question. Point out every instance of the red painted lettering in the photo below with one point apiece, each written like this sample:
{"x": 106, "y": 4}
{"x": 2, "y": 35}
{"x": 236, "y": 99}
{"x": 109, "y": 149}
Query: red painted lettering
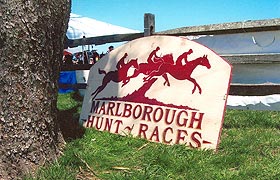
{"x": 164, "y": 135}
{"x": 100, "y": 123}
{"x": 110, "y": 108}
{"x": 167, "y": 116}
{"x": 147, "y": 113}
{"x": 184, "y": 122}
{"x": 102, "y": 109}
{"x": 108, "y": 124}
{"x": 155, "y": 134}
{"x": 127, "y": 110}
{"x": 199, "y": 120}
{"x": 158, "y": 114}
{"x": 118, "y": 122}
{"x": 117, "y": 110}
{"x": 137, "y": 113}
{"x": 196, "y": 140}
{"x": 180, "y": 136}
{"x": 90, "y": 121}
{"x": 94, "y": 107}
{"x": 142, "y": 130}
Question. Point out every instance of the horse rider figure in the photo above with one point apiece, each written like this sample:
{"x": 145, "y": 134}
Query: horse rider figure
{"x": 184, "y": 56}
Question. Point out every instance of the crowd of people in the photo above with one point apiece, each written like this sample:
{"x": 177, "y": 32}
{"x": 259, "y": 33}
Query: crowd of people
{"x": 85, "y": 57}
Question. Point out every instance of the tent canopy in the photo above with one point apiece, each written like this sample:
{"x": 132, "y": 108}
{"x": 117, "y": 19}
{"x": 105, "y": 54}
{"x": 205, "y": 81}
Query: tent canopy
{"x": 80, "y": 26}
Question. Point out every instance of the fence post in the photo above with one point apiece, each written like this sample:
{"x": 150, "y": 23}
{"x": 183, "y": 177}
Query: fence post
{"x": 149, "y": 24}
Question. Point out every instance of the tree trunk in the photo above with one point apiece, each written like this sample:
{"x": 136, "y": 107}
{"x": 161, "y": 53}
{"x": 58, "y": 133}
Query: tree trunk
{"x": 31, "y": 46}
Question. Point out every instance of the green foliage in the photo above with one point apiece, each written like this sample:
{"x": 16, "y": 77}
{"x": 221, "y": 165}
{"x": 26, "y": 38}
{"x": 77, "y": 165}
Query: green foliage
{"x": 249, "y": 149}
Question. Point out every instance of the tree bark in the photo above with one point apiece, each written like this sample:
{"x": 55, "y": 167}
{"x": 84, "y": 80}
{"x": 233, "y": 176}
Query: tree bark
{"x": 31, "y": 48}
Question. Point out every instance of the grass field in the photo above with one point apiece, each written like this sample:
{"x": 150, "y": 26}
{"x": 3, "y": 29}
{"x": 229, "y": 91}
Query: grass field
{"x": 249, "y": 149}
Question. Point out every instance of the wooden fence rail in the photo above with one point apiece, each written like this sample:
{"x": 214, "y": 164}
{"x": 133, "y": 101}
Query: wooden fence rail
{"x": 226, "y": 28}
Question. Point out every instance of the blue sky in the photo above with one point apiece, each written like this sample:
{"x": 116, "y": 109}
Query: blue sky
{"x": 170, "y": 14}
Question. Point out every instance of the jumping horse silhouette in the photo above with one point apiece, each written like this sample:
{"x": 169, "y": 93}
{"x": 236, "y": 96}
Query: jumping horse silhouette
{"x": 147, "y": 68}
{"x": 115, "y": 76}
{"x": 182, "y": 72}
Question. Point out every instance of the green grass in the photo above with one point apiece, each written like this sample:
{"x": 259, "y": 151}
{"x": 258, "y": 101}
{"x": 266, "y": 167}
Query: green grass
{"x": 68, "y": 101}
{"x": 249, "y": 149}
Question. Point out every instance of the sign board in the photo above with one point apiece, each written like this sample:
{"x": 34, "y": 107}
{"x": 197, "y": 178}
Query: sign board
{"x": 162, "y": 88}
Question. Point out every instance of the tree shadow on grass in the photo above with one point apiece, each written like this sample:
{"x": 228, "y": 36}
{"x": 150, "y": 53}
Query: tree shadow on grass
{"x": 69, "y": 122}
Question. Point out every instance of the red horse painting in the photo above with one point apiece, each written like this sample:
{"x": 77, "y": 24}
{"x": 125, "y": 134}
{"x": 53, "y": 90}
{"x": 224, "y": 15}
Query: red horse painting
{"x": 116, "y": 76}
{"x": 153, "y": 63}
{"x": 180, "y": 72}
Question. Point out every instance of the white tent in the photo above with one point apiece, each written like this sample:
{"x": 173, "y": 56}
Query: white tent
{"x": 79, "y": 27}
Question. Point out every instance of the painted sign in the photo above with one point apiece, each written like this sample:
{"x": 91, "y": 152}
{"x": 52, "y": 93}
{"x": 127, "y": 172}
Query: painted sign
{"x": 162, "y": 88}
